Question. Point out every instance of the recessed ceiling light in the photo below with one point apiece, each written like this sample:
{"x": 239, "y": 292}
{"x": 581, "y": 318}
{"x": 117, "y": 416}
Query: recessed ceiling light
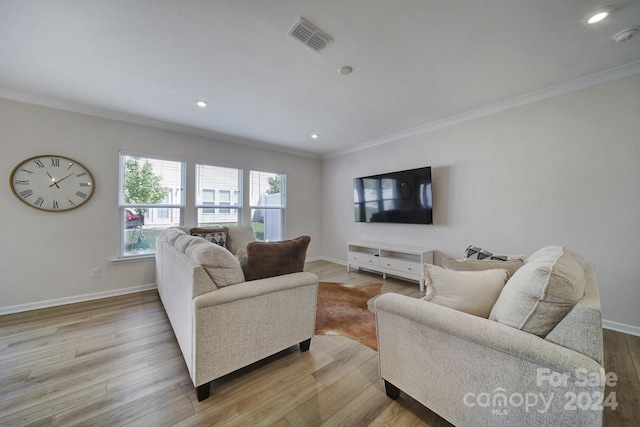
{"x": 346, "y": 70}
{"x": 315, "y": 136}
{"x": 598, "y": 15}
{"x": 201, "y": 103}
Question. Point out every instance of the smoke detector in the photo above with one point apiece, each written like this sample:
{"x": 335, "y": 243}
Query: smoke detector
{"x": 310, "y": 35}
{"x": 626, "y": 34}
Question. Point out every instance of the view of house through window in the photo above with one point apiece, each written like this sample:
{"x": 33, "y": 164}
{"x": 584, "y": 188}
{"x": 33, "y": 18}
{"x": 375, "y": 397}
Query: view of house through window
{"x": 150, "y": 199}
{"x": 267, "y": 199}
{"x": 218, "y": 195}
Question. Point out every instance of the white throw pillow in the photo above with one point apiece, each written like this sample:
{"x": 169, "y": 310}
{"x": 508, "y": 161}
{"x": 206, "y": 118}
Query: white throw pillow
{"x": 474, "y": 292}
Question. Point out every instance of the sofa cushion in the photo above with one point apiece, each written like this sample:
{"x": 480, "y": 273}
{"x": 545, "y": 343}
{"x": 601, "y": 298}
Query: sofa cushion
{"x": 268, "y": 259}
{"x": 239, "y": 237}
{"x": 217, "y": 235}
{"x": 242, "y": 259}
{"x": 170, "y": 235}
{"x": 542, "y": 291}
{"x": 474, "y": 252}
{"x": 478, "y": 265}
{"x": 182, "y": 243}
{"x": 474, "y": 292}
{"x": 219, "y": 263}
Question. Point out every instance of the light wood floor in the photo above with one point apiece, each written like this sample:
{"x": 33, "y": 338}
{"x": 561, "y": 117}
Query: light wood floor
{"x": 116, "y": 362}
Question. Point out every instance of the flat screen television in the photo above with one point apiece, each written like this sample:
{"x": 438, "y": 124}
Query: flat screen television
{"x": 396, "y": 197}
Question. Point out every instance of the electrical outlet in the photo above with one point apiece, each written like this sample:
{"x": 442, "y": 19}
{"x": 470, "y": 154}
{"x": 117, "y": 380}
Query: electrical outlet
{"x": 95, "y": 273}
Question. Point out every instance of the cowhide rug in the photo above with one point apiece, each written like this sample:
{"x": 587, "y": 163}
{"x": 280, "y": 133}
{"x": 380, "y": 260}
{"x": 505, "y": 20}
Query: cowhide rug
{"x": 342, "y": 310}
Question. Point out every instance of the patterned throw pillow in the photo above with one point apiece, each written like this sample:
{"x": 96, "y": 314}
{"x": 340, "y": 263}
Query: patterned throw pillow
{"x": 218, "y": 236}
{"x": 474, "y": 252}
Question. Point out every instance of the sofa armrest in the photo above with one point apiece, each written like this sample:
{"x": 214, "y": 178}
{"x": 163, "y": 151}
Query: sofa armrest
{"x": 254, "y": 288}
{"x": 240, "y": 324}
{"x": 450, "y": 361}
{"x": 485, "y": 332}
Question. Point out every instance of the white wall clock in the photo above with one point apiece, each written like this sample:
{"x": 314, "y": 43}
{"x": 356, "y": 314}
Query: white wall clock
{"x": 52, "y": 183}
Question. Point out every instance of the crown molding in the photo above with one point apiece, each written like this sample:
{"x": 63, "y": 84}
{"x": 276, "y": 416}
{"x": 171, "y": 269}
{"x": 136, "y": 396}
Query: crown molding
{"x": 560, "y": 89}
{"x": 529, "y": 98}
{"x": 30, "y": 98}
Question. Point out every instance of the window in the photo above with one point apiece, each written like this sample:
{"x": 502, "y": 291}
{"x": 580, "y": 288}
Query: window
{"x": 267, "y": 200}
{"x": 208, "y": 199}
{"x": 150, "y": 199}
{"x": 214, "y": 187}
{"x": 225, "y": 200}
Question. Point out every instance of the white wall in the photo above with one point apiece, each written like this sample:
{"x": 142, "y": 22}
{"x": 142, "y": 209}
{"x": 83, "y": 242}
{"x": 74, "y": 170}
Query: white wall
{"x": 562, "y": 171}
{"x": 49, "y": 256}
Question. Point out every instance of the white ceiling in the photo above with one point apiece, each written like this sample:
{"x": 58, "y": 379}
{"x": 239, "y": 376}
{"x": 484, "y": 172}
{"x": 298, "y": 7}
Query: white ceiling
{"x": 416, "y": 62}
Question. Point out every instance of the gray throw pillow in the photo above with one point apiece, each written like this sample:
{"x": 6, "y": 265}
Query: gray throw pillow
{"x": 479, "y": 265}
{"x": 542, "y": 291}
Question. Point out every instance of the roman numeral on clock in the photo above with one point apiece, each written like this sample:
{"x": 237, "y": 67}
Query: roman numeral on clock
{"x": 55, "y": 162}
{"x": 39, "y": 201}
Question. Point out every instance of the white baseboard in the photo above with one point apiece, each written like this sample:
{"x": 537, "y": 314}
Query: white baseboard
{"x": 606, "y": 324}
{"x": 70, "y": 300}
{"x": 621, "y": 327}
{"x": 324, "y": 258}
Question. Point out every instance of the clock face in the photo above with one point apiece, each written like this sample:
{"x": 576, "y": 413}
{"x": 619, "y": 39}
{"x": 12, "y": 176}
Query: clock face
{"x": 52, "y": 183}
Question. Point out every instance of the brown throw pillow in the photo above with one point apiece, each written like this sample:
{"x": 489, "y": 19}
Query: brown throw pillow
{"x": 269, "y": 259}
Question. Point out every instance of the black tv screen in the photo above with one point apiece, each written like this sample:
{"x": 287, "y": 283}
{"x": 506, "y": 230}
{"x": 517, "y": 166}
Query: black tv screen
{"x": 397, "y": 197}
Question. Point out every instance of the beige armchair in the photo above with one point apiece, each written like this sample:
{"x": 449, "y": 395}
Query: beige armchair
{"x": 476, "y": 371}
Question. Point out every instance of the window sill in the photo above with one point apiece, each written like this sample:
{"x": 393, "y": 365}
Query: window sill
{"x": 134, "y": 259}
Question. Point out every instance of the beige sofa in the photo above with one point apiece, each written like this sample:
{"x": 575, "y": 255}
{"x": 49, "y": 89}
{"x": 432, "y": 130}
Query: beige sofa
{"x": 503, "y": 370}
{"x": 222, "y": 322}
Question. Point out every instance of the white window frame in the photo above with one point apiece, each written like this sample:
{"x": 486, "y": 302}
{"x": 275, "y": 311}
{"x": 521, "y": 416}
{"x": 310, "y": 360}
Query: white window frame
{"x": 217, "y": 205}
{"x": 282, "y": 208}
{"x": 122, "y": 205}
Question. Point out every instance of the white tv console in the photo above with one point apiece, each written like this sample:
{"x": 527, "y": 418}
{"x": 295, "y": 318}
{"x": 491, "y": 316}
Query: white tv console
{"x": 386, "y": 258}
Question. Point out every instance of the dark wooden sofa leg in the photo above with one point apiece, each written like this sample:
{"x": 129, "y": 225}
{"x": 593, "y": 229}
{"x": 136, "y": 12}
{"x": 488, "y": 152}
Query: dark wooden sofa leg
{"x": 392, "y": 391}
{"x": 203, "y": 391}
{"x": 304, "y": 345}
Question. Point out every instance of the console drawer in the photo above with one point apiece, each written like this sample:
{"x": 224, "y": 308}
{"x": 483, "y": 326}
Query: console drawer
{"x": 404, "y": 267}
{"x": 358, "y": 258}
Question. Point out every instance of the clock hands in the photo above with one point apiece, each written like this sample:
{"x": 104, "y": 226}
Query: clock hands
{"x": 61, "y": 179}
{"x": 54, "y": 181}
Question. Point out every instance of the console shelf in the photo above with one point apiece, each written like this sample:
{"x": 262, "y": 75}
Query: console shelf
{"x": 385, "y": 258}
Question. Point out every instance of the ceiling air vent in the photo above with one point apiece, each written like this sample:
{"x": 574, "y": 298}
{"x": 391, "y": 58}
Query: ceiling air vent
{"x": 310, "y": 35}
